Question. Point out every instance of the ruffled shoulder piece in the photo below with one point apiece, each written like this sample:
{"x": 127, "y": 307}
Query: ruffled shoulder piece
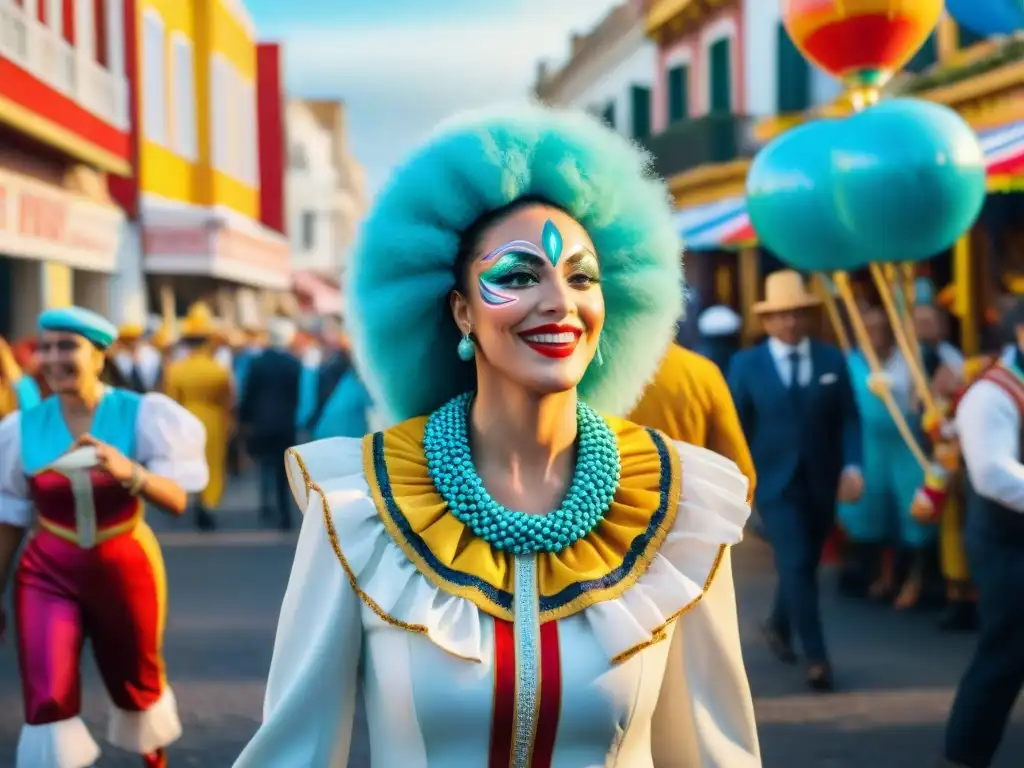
{"x": 420, "y": 569}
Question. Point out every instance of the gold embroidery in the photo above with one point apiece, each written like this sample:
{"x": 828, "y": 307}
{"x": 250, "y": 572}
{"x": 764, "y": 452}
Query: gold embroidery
{"x": 332, "y": 537}
{"x": 661, "y": 633}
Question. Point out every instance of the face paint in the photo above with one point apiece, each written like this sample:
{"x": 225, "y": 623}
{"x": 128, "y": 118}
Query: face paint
{"x": 551, "y": 238}
{"x": 508, "y": 261}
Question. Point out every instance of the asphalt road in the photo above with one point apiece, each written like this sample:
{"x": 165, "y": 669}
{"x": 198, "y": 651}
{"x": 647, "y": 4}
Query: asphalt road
{"x": 896, "y": 675}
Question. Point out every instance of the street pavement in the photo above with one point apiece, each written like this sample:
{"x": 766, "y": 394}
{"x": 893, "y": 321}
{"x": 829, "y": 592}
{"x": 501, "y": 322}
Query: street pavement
{"x": 895, "y": 673}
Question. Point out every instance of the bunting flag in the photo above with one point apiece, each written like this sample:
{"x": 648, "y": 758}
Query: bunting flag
{"x": 725, "y": 224}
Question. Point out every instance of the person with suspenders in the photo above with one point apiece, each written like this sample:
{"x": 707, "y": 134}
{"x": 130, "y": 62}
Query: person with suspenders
{"x": 989, "y": 421}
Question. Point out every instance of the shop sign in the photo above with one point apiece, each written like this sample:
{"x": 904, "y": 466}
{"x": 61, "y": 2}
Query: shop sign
{"x": 218, "y": 249}
{"x": 44, "y": 222}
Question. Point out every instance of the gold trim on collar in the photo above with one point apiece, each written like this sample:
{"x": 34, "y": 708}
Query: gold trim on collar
{"x": 599, "y": 567}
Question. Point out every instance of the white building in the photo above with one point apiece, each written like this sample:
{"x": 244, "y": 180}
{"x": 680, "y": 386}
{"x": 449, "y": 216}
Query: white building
{"x": 609, "y": 73}
{"x": 325, "y": 200}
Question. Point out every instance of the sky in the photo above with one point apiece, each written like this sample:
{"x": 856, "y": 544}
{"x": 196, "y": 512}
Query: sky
{"x": 403, "y": 65}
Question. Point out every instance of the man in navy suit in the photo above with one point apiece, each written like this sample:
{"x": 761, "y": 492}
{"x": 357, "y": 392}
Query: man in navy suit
{"x": 798, "y": 412}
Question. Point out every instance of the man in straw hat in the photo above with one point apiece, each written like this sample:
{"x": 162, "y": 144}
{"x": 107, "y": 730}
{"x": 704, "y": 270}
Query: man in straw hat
{"x": 797, "y": 409}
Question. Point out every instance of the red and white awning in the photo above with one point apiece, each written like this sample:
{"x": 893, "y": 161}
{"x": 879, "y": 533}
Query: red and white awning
{"x": 725, "y": 224}
{"x": 1004, "y": 156}
{"x": 316, "y": 293}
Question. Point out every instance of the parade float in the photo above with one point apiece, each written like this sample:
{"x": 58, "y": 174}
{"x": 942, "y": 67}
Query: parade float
{"x": 882, "y": 189}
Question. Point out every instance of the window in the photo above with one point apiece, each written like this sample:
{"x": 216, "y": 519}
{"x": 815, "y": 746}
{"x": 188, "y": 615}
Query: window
{"x": 640, "y": 100}
{"x": 608, "y": 115}
{"x": 678, "y": 93}
{"x": 183, "y": 69}
{"x": 250, "y": 154}
{"x": 219, "y": 113}
{"x": 965, "y": 38}
{"x": 308, "y": 230}
{"x": 925, "y": 57}
{"x": 154, "y": 97}
{"x": 793, "y": 75}
{"x": 99, "y": 27}
{"x": 298, "y": 157}
{"x": 720, "y": 82}
{"x": 67, "y": 18}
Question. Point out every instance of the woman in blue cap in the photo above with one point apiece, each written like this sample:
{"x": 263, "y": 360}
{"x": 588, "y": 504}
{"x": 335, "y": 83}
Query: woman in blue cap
{"x": 87, "y": 459}
{"x": 513, "y": 577}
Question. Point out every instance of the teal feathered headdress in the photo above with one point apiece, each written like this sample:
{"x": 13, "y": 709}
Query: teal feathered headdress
{"x": 402, "y": 269}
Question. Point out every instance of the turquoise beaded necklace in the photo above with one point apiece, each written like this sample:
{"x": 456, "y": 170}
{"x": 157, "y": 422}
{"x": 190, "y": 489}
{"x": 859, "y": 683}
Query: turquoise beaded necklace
{"x": 594, "y": 481}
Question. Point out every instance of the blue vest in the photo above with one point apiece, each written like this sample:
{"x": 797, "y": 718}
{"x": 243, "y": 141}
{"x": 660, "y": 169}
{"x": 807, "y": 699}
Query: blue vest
{"x": 45, "y": 436}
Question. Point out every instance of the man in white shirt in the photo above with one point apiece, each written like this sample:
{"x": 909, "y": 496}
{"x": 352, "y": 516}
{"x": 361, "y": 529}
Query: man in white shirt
{"x": 989, "y": 424}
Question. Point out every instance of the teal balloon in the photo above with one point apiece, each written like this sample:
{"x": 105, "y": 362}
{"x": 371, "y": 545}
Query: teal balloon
{"x": 900, "y": 181}
{"x": 909, "y": 179}
{"x": 791, "y": 203}
{"x": 988, "y": 17}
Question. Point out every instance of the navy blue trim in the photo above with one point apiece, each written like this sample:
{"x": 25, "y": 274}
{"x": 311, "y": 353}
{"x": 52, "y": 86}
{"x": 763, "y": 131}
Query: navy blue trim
{"x": 500, "y": 597}
{"x": 636, "y": 549}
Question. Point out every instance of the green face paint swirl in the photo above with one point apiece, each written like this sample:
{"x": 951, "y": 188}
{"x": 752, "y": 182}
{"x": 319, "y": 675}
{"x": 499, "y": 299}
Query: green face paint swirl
{"x": 490, "y": 281}
{"x": 551, "y": 239}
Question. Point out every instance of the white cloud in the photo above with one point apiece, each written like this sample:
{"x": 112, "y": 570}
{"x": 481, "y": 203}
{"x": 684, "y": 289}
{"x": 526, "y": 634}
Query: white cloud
{"x": 400, "y": 79}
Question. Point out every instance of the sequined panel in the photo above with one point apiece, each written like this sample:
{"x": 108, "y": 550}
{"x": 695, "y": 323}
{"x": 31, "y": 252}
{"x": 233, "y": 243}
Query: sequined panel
{"x": 527, "y": 640}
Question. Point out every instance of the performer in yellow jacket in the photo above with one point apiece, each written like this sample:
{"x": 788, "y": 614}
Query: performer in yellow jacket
{"x": 689, "y": 400}
{"x": 205, "y": 388}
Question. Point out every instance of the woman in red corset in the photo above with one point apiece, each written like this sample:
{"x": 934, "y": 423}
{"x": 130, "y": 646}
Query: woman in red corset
{"x": 86, "y": 460}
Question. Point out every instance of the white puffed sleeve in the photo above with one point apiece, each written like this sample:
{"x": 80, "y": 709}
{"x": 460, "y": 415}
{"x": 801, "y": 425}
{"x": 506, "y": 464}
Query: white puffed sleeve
{"x": 15, "y": 504}
{"x": 705, "y": 713}
{"x": 171, "y": 442}
{"x": 311, "y": 692}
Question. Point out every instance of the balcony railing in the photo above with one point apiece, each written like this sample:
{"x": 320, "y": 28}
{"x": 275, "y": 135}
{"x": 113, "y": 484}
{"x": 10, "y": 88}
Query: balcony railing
{"x": 715, "y": 138}
{"x": 46, "y": 54}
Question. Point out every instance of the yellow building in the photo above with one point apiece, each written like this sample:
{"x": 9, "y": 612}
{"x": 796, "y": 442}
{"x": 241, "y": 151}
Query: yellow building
{"x": 199, "y": 159}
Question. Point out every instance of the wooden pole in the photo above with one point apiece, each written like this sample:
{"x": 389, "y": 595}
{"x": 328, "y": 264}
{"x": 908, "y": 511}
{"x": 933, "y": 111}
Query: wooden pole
{"x": 749, "y": 283}
{"x": 964, "y": 306}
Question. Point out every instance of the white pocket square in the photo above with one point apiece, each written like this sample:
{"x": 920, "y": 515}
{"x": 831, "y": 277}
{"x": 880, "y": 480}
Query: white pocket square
{"x": 828, "y": 378}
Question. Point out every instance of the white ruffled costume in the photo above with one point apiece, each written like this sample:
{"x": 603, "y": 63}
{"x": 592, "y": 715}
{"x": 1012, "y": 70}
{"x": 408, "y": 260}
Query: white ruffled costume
{"x": 653, "y": 678}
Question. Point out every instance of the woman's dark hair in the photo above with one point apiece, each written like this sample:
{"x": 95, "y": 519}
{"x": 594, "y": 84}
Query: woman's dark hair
{"x": 194, "y": 342}
{"x": 469, "y": 242}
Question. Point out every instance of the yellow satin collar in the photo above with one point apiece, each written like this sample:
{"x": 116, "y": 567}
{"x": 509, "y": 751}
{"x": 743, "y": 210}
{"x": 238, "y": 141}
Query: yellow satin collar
{"x": 598, "y": 567}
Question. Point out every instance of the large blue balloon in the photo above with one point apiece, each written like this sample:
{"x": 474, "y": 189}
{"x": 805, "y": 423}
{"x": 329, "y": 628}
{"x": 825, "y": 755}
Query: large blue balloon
{"x": 791, "y": 204}
{"x": 900, "y": 181}
{"x": 910, "y": 179}
{"x": 988, "y": 17}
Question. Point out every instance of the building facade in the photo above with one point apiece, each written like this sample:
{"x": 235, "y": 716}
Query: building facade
{"x": 200, "y": 232}
{"x": 63, "y": 130}
{"x": 608, "y": 73}
{"x": 325, "y": 201}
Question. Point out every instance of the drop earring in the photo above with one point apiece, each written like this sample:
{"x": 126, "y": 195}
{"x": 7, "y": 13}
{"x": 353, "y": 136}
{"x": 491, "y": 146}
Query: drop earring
{"x": 598, "y": 358}
{"x": 466, "y": 348}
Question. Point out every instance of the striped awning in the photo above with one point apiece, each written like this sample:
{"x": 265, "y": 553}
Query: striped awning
{"x": 725, "y": 224}
{"x": 1004, "y": 156}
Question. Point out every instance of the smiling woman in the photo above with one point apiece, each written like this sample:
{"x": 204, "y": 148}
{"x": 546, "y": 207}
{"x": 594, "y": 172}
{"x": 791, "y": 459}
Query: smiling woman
{"x": 518, "y": 569}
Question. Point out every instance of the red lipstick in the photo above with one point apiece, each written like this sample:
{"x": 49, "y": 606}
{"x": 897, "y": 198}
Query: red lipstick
{"x": 553, "y": 340}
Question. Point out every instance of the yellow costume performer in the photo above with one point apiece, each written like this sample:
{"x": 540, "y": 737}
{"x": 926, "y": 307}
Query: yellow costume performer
{"x": 690, "y": 401}
{"x": 205, "y": 388}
